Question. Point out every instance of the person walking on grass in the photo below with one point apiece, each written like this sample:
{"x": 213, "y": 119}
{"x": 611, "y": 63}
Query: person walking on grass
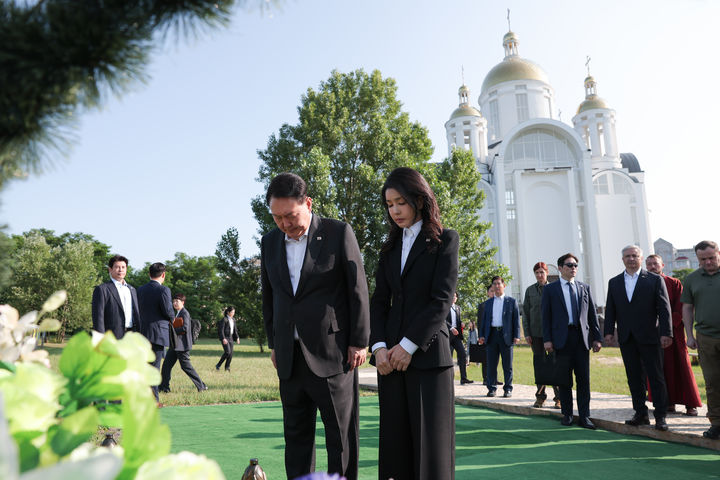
{"x": 227, "y": 333}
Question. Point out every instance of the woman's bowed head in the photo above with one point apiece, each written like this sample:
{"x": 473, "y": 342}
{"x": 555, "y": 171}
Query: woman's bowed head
{"x": 408, "y": 199}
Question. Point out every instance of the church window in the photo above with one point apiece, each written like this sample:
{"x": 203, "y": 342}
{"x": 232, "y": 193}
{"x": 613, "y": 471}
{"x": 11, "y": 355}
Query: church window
{"x": 601, "y": 185}
{"x": 540, "y": 148}
{"x": 466, "y": 139}
{"x": 520, "y": 87}
{"x": 494, "y": 123}
{"x": 522, "y": 106}
{"x": 586, "y": 136}
{"x": 621, "y": 186}
{"x": 510, "y": 214}
{"x": 509, "y": 197}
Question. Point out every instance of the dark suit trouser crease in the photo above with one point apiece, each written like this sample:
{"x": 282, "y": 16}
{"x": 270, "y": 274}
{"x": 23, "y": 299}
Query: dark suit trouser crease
{"x": 302, "y": 395}
{"x": 496, "y": 347}
{"x": 184, "y": 358}
{"x": 645, "y": 361}
{"x": 580, "y": 364}
{"x": 417, "y": 426}
{"x": 538, "y": 348}
{"x": 457, "y": 345}
{"x": 159, "y": 352}
{"x": 227, "y": 355}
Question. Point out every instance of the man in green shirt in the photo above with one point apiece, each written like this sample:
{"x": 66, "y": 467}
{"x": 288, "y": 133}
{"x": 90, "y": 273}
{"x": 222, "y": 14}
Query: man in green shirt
{"x": 701, "y": 299}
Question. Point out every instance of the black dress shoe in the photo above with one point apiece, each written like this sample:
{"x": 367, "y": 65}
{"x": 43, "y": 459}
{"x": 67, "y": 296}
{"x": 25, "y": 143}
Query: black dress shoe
{"x": 566, "y": 420}
{"x": 585, "y": 422}
{"x": 202, "y": 389}
{"x": 713, "y": 433}
{"x": 637, "y": 420}
{"x": 661, "y": 424}
{"x": 507, "y": 394}
{"x": 164, "y": 389}
{"x": 217, "y": 367}
{"x": 466, "y": 380}
{"x": 491, "y": 393}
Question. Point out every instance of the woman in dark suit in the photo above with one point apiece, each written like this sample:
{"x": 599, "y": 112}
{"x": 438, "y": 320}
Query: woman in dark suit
{"x": 180, "y": 346}
{"x": 414, "y": 286}
{"x": 227, "y": 333}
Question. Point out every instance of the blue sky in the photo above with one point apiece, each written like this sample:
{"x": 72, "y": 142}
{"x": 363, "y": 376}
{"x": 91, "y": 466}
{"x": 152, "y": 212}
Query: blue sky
{"x": 171, "y": 165}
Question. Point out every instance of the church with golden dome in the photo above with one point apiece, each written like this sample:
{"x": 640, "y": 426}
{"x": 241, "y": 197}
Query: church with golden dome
{"x": 550, "y": 187}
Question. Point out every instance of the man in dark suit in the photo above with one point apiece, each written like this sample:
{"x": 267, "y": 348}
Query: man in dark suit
{"x": 500, "y": 330}
{"x": 570, "y": 327}
{"x": 315, "y": 307}
{"x": 637, "y": 302}
{"x": 155, "y": 305}
{"x": 454, "y": 324}
{"x": 114, "y": 303}
{"x": 478, "y": 326}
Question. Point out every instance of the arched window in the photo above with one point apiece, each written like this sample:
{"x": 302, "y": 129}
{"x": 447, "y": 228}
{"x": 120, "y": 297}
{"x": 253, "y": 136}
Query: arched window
{"x": 540, "y": 148}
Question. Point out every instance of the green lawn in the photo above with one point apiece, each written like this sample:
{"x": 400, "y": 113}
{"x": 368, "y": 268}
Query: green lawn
{"x": 253, "y": 379}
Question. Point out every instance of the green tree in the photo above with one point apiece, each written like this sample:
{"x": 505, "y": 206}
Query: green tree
{"x": 460, "y": 201}
{"x": 198, "y": 279}
{"x": 62, "y": 56}
{"x": 241, "y": 286}
{"x": 682, "y": 273}
{"x": 40, "y": 269}
{"x": 6, "y": 254}
{"x": 351, "y": 133}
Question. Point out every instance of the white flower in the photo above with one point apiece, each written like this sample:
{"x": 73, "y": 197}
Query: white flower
{"x": 181, "y": 466}
{"x": 55, "y": 301}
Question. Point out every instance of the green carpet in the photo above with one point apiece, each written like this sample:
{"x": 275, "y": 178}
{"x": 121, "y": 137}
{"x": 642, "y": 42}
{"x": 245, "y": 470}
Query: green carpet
{"x": 489, "y": 443}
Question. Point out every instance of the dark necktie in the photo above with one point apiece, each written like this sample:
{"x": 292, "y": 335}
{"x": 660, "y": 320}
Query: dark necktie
{"x": 574, "y": 304}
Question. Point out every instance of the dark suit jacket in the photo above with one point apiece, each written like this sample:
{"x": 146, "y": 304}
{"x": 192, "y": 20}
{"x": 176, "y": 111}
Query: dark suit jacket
{"x": 330, "y": 307}
{"x": 108, "y": 313}
{"x": 181, "y": 337}
{"x": 555, "y": 317}
{"x": 646, "y": 317}
{"x": 510, "y": 319}
{"x": 416, "y": 302}
{"x": 448, "y": 320}
{"x": 224, "y": 330}
{"x": 157, "y": 312}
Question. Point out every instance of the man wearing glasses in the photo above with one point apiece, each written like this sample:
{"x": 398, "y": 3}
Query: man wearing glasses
{"x": 570, "y": 327}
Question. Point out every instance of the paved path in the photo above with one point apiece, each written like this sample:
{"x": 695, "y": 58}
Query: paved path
{"x": 608, "y": 411}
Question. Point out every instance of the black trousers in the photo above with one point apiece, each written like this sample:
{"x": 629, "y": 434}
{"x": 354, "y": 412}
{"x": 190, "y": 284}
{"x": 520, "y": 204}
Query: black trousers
{"x": 227, "y": 355}
{"x": 497, "y": 349}
{"x": 183, "y": 357}
{"x": 302, "y": 395}
{"x": 457, "y": 345}
{"x": 159, "y": 351}
{"x": 417, "y": 425}
{"x": 645, "y": 361}
{"x": 580, "y": 364}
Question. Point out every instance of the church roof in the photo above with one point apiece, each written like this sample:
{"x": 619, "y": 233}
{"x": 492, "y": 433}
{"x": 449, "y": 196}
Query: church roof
{"x": 592, "y": 103}
{"x": 465, "y": 111}
{"x": 630, "y": 161}
{"x": 514, "y": 68}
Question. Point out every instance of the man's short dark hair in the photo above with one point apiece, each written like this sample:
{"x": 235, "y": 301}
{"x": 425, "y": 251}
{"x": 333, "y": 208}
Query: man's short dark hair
{"x": 498, "y": 277}
{"x": 156, "y": 270}
{"x": 654, "y": 255}
{"x": 179, "y": 296}
{"x": 117, "y": 258}
{"x": 561, "y": 260}
{"x": 706, "y": 244}
{"x": 489, "y": 287}
{"x": 286, "y": 185}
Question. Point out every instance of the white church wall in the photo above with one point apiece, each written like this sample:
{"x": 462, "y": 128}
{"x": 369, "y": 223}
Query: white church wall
{"x": 616, "y": 231}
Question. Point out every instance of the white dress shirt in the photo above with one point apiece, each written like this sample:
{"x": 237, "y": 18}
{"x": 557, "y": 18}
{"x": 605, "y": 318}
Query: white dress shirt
{"x": 566, "y": 295}
{"x": 453, "y": 318}
{"x": 497, "y": 311}
{"x": 630, "y": 282}
{"x": 408, "y": 239}
{"x": 125, "y": 300}
{"x": 295, "y": 253}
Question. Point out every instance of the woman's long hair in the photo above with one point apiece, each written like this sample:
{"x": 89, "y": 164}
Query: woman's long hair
{"x": 413, "y": 187}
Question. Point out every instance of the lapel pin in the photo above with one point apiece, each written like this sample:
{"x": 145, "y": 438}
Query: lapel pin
{"x": 427, "y": 239}
{"x": 319, "y": 238}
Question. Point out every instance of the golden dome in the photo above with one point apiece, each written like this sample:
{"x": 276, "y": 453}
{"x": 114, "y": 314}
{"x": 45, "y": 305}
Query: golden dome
{"x": 514, "y": 68}
{"x": 591, "y": 103}
{"x": 465, "y": 111}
